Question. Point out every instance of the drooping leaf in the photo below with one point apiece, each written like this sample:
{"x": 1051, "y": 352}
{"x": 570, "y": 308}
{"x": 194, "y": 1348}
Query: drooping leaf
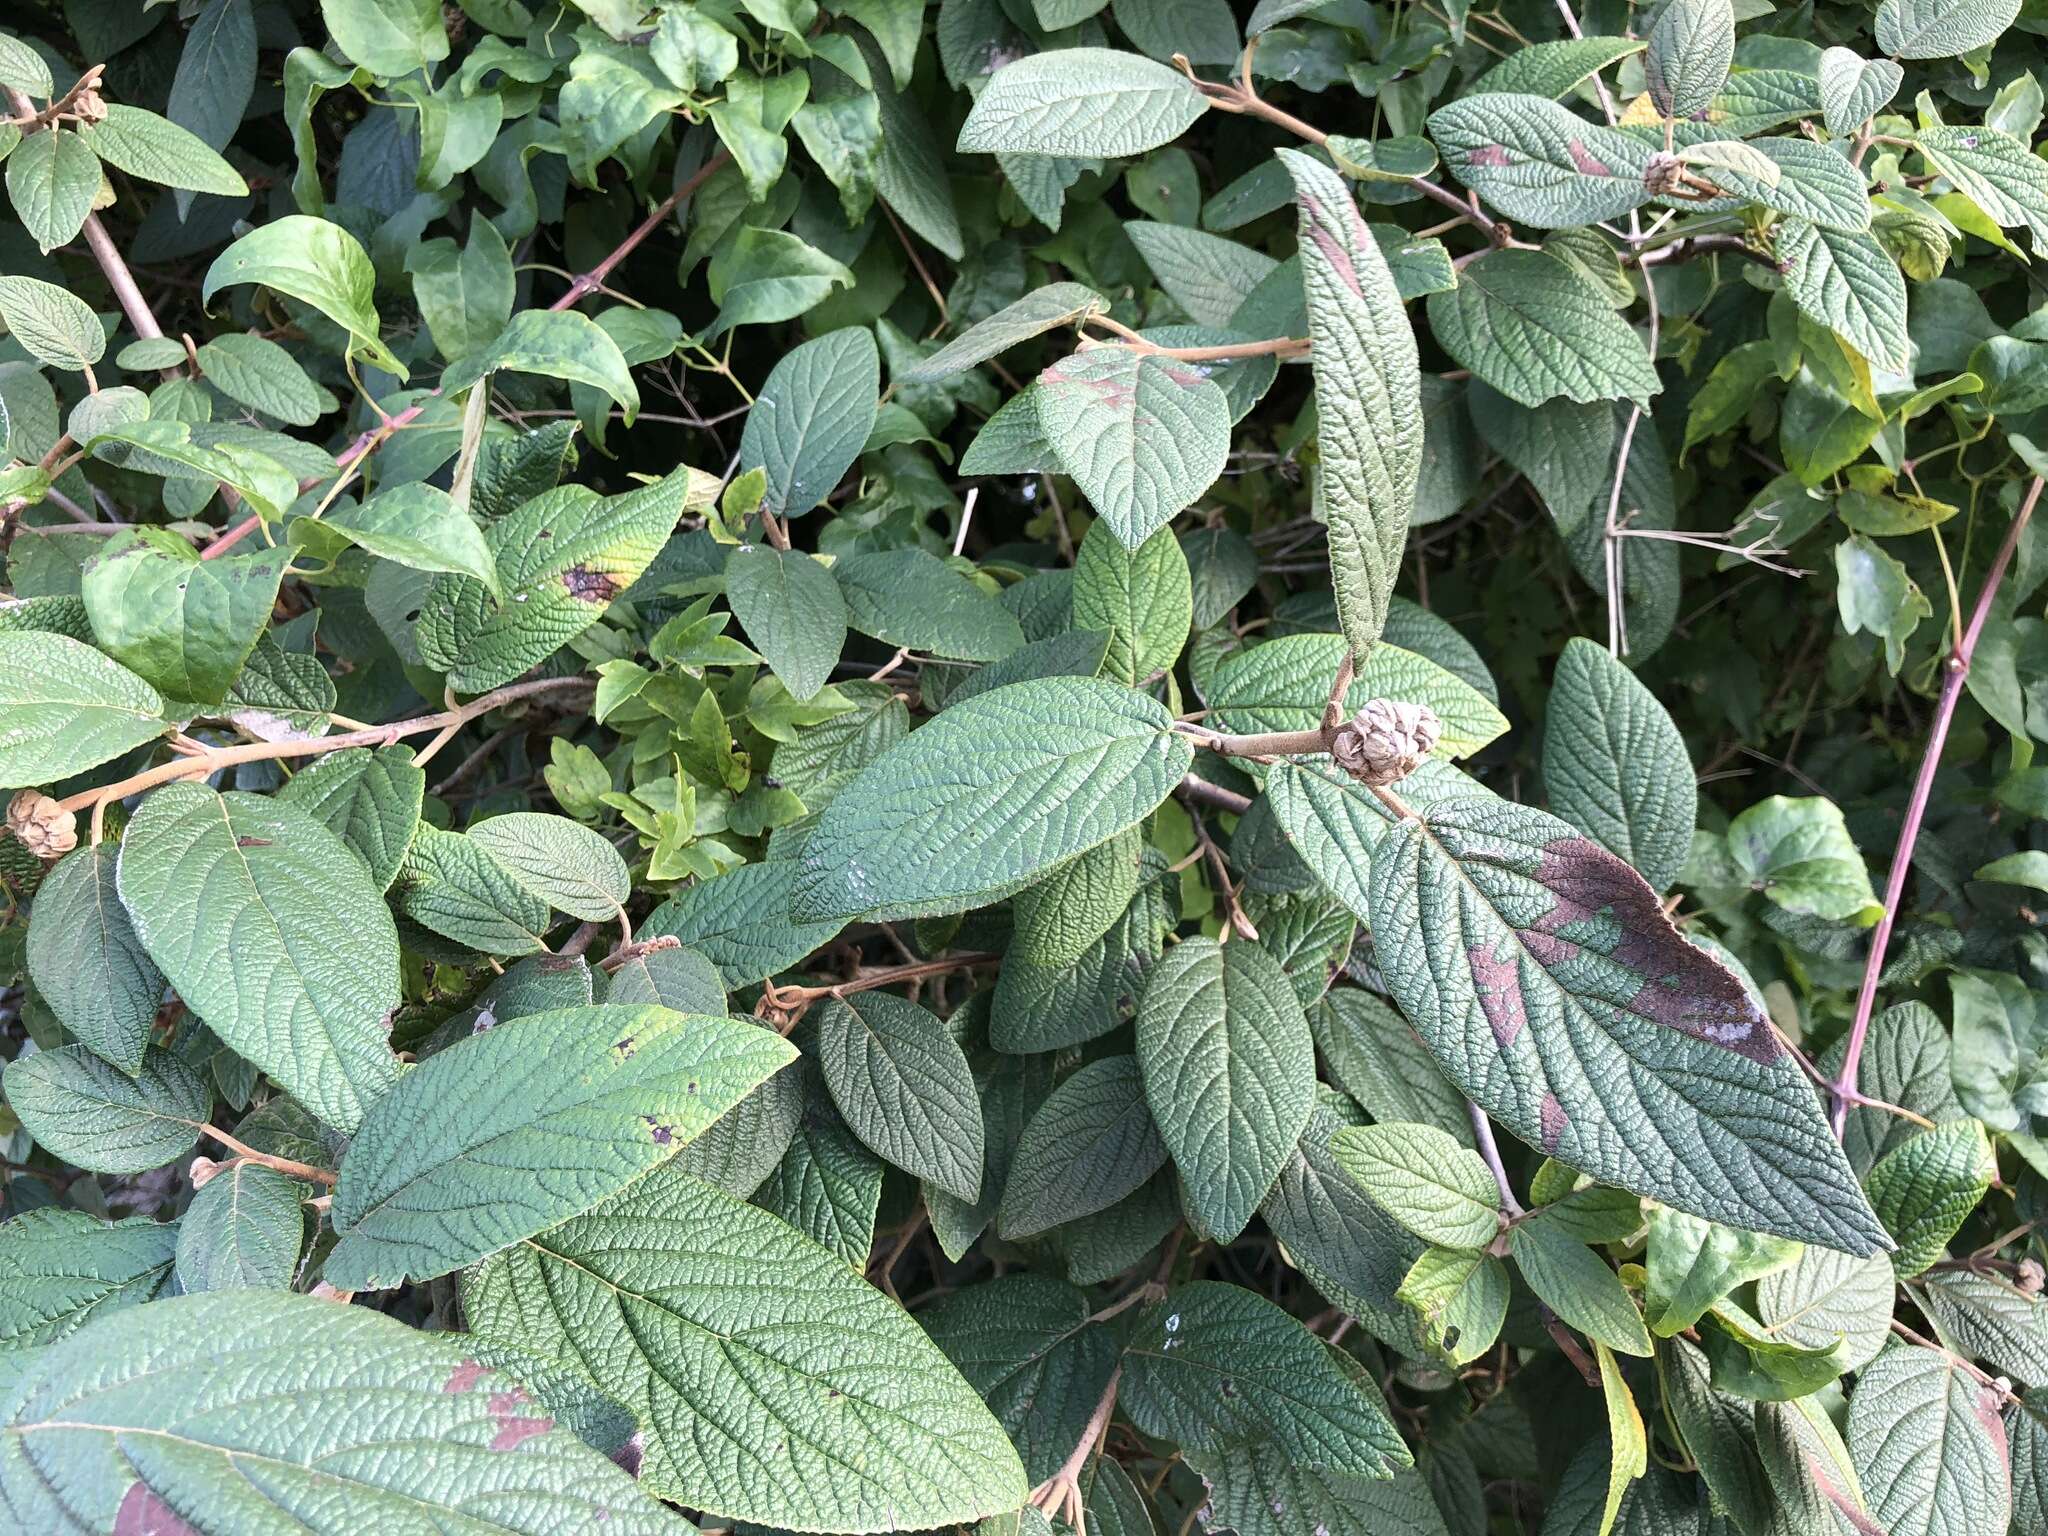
{"x": 1041, "y": 310}
{"x": 792, "y": 611}
{"x": 421, "y": 527}
{"x": 319, "y": 264}
{"x": 727, "y": 1332}
{"x": 1848, "y": 283}
{"x": 1798, "y": 852}
{"x": 185, "y": 624}
{"x": 1567, "y": 1005}
{"x": 1575, "y": 1283}
{"x": 514, "y": 1130}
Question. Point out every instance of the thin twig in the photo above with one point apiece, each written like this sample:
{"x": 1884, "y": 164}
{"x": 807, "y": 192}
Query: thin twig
{"x": 589, "y": 282}
{"x": 1489, "y": 1150}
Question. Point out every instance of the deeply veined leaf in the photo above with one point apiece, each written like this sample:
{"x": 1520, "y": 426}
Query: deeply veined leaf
{"x": 1940, "y": 29}
{"x": 910, "y": 597}
{"x": 97, "y": 1117}
{"x": 1424, "y": 1179}
{"x": 147, "y": 1421}
{"x": 1043, "y": 309}
{"x": 1368, "y": 399}
{"x": 1540, "y": 163}
{"x": 811, "y": 418}
{"x": 1854, "y": 89}
{"x": 368, "y": 798}
{"x": 1849, "y": 284}
{"x": 1535, "y": 330}
{"x": 67, "y": 708}
{"x": 537, "y": 1120}
{"x": 1615, "y": 765}
{"x": 242, "y": 1231}
{"x": 1553, "y": 69}
{"x": 566, "y": 864}
{"x": 317, "y": 263}
{"x": 1282, "y": 685}
{"x": 904, "y": 1086}
{"x": 52, "y": 324}
{"x": 741, "y": 922}
{"x": 61, "y": 1269}
{"x": 987, "y": 797}
{"x": 1091, "y": 1143}
{"x": 1142, "y": 598}
{"x": 1566, "y": 1006}
{"x": 1691, "y": 47}
{"x": 87, "y": 962}
{"x": 1214, "y": 1366}
{"x": 1090, "y": 102}
{"x": 1576, "y": 1284}
{"x": 1142, "y": 435}
{"x": 1333, "y": 822}
{"x": 274, "y": 934}
{"x": 52, "y": 179}
{"x": 792, "y": 611}
{"x": 1996, "y": 171}
{"x": 1928, "y": 1445}
{"x": 1229, "y": 1070}
{"x": 726, "y": 1333}
{"x": 1924, "y": 1189}
{"x": 157, "y": 149}
{"x": 1827, "y": 1300}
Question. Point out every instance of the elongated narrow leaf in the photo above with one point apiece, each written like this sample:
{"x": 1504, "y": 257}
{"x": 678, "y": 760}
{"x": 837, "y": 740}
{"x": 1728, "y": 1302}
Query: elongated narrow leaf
{"x": 728, "y": 1333}
{"x": 511, "y": 1131}
{"x": 1142, "y": 435}
{"x": 987, "y": 797}
{"x": 1368, "y": 399}
{"x": 1044, "y": 309}
{"x": 1691, "y": 47}
{"x": 1229, "y": 1072}
{"x": 148, "y": 1422}
{"x": 1543, "y": 975}
{"x": 274, "y": 934}
{"x": 811, "y": 418}
{"x": 905, "y": 1088}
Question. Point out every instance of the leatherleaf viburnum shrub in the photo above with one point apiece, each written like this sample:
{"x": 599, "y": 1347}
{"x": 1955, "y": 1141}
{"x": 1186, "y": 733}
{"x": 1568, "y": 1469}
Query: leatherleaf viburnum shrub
{"x": 1106, "y": 767}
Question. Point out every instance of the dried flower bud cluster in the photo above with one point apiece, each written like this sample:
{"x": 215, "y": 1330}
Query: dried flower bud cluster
{"x": 1386, "y": 741}
{"x": 45, "y": 828}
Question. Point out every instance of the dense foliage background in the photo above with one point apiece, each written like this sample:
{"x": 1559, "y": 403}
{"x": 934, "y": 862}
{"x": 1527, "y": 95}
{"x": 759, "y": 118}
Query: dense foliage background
{"x": 687, "y": 840}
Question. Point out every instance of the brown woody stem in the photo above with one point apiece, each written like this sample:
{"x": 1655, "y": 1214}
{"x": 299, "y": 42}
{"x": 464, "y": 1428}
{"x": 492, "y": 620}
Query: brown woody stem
{"x": 281, "y": 1164}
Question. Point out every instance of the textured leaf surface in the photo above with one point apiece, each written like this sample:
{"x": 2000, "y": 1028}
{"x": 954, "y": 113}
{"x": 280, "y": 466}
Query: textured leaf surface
{"x": 1576, "y": 1284}
{"x": 1545, "y": 979}
{"x": 1142, "y": 598}
{"x": 1260, "y": 1492}
{"x": 1847, "y": 283}
{"x": 1824, "y": 1297}
{"x": 1923, "y": 1190}
{"x": 1929, "y": 1446}
{"x": 61, "y": 1269}
{"x": 1425, "y": 1180}
{"x": 370, "y": 799}
{"x": 1939, "y": 29}
{"x": 79, "y": 1108}
{"x": 912, "y": 598}
{"x": 904, "y": 1086}
{"x": 729, "y": 1335}
{"x": 87, "y": 961}
{"x": 514, "y": 1130}
{"x": 1855, "y": 89}
{"x": 1043, "y": 309}
{"x": 740, "y": 922}
{"x": 1691, "y": 47}
{"x": 1615, "y": 765}
{"x": 1283, "y": 684}
{"x": 1538, "y": 162}
{"x": 1229, "y": 1071}
{"x": 274, "y": 933}
{"x": 242, "y": 1231}
{"x": 1368, "y": 399}
{"x": 988, "y": 796}
{"x": 811, "y": 418}
{"x": 792, "y": 611}
{"x": 1142, "y": 435}
{"x": 566, "y": 864}
{"x": 1535, "y": 330}
{"x": 67, "y": 708}
{"x": 255, "y": 1411}
{"x": 1091, "y": 1143}
{"x": 1081, "y": 101}
{"x": 1215, "y": 1366}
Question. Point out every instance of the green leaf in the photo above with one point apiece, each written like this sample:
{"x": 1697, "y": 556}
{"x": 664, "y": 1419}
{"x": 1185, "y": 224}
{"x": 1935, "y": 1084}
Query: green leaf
{"x": 258, "y": 373}
{"x": 1928, "y": 1445}
{"x": 1257, "y": 1491}
{"x": 1829, "y": 1301}
{"x": 1994, "y": 170}
{"x": 453, "y": 886}
{"x": 1368, "y": 400}
{"x": 741, "y": 922}
{"x": 1799, "y": 854}
{"x": 910, "y": 597}
{"x": 1578, "y": 1009}
{"x": 216, "y": 73}
{"x": 1058, "y": 920}
{"x": 2028, "y": 868}
{"x": 553, "y": 344}
{"x": 185, "y": 624}
{"x": 1424, "y": 1179}
{"x": 1554, "y": 69}
{"x": 904, "y": 1086}
{"x": 1720, "y": 1431}
{"x": 828, "y": 1186}
{"x": 955, "y": 816}
{"x": 561, "y": 557}
{"x": 1460, "y": 1296}
{"x": 154, "y": 148}
{"x": 1854, "y": 89}
{"x": 52, "y": 179}
{"x": 175, "y": 450}
{"x": 418, "y": 526}
{"x": 99, "y": 1118}
{"x": 1088, "y": 102}
{"x": 1987, "y": 1316}
{"x": 242, "y": 1231}
{"x": 1142, "y": 435}
{"x": 1693, "y": 1264}
{"x": 315, "y": 262}
{"x": 1848, "y": 284}
{"x": 274, "y": 934}
{"x": 1142, "y": 598}
{"x": 23, "y": 68}
{"x": 767, "y": 275}
{"x": 1229, "y": 1070}
{"x": 1941, "y": 29}
{"x": 537, "y": 1120}
{"x": 1811, "y": 181}
{"x": 792, "y": 611}
{"x": 1691, "y": 47}
{"x": 1206, "y": 275}
{"x": 1092, "y": 1142}
{"x": 1043, "y": 309}
{"x": 389, "y": 38}
{"x": 1924, "y": 1189}
{"x": 1539, "y": 163}
{"x": 86, "y": 961}
{"x": 147, "y": 1419}
{"x": 1535, "y": 330}
{"x": 68, "y": 708}
{"x": 61, "y": 1269}
{"x": 465, "y": 294}
{"x": 1576, "y": 1284}
{"x": 1628, "y": 1446}
{"x": 811, "y": 418}
{"x": 571, "y": 867}
{"x": 726, "y": 1333}
{"x": 53, "y": 325}
{"x": 370, "y": 799}
{"x": 1215, "y": 1366}
{"x": 1615, "y": 765}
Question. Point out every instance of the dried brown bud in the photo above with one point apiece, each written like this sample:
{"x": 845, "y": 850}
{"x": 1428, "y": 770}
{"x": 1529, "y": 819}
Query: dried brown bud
{"x": 45, "y": 828}
{"x": 204, "y": 1168}
{"x": 89, "y": 107}
{"x": 1386, "y": 741}
{"x": 2031, "y": 1276}
{"x": 1662, "y": 173}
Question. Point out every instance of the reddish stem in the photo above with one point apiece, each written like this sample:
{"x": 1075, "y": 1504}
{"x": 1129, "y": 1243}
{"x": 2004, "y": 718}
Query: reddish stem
{"x": 591, "y": 281}
{"x": 1955, "y": 674}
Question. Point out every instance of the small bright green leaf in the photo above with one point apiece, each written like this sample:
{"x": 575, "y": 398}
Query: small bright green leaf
{"x": 419, "y": 526}
{"x": 1424, "y": 1179}
{"x": 1799, "y": 854}
{"x": 52, "y": 324}
{"x": 1693, "y": 1263}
